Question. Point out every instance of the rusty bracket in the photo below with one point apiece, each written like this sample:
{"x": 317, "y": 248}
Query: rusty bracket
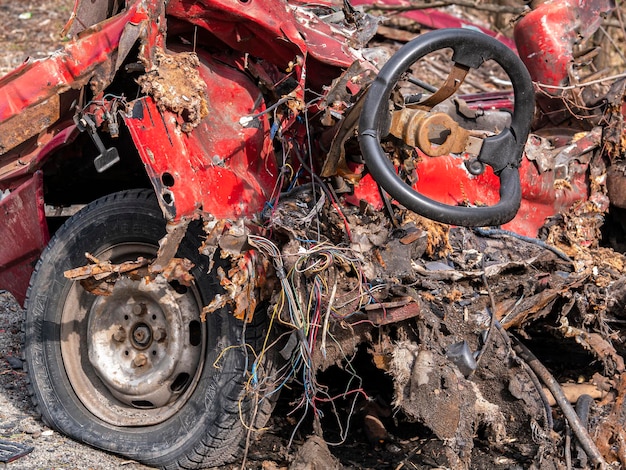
{"x": 435, "y": 134}
{"x": 168, "y": 245}
{"x": 450, "y": 86}
{"x": 385, "y": 313}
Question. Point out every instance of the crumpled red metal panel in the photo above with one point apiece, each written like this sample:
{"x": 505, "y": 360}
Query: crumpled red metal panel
{"x": 73, "y": 66}
{"x": 446, "y": 179}
{"x": 268, "y": 29}
{"x": 545, "y": 37}
{"x": 13, "y": 170}
{"x": 222, "y": 167}
{"x": 24, "y": 234}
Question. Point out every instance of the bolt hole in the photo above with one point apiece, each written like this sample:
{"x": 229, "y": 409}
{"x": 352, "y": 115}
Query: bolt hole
{"x": 143, "y": 404}
{"x": 154, "y": 353}
{"x": 154, "y": 317}
{"x": 181, "y": 381}
{"x": 125, "y": 317}
{"x": 437, "y": 135}
{"x": 168, "y": 198}
{"x": 167, "y": 179}
{"x": 178, "y": 287}
{"x": 195, "y": 333}
{"x": 125, "y": 353}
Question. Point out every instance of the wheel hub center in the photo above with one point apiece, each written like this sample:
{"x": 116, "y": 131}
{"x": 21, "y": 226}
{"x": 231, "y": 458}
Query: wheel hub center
{"x": 141, "y": 344}
{"x": 141, "y": 336}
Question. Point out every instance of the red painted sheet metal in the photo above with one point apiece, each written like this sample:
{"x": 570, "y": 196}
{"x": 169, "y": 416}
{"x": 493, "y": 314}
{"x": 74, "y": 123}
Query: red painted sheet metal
{"x": 263, "y": 28}
{"x": 24, "y": 234}
{"x": 37, "y": 80}
{"x": 446, "y": 179}
{"x": 223, "y": 167}
{"x": 269, "y": 29}
{"x": 546, "y": 36}
{"x": 27, "y": 163}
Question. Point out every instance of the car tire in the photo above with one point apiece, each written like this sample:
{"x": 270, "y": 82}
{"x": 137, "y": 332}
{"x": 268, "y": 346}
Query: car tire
{"x": 139, "y": 372}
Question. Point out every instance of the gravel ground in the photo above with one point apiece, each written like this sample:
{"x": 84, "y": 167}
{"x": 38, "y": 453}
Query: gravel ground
{"x": 30, "y": 28}
{"x": 19, "y": 422}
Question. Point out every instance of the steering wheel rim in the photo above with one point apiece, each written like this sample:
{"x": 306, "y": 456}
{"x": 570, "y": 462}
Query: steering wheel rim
{"x": 502, "y": 152}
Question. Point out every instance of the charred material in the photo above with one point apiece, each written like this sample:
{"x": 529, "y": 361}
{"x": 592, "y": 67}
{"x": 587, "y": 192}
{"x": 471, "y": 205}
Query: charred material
{"x": 437, "y": 301}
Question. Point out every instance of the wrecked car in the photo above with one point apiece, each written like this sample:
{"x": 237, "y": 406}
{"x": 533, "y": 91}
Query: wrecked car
{"x": 206, "y": 200}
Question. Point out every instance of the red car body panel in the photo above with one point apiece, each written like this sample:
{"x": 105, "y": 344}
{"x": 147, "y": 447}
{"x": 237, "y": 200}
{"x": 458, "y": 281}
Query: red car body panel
{"x": 222, "y": 167}
{"x": 24, "y": 234}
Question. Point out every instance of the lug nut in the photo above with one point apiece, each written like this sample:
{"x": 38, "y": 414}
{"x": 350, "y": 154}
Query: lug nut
{"x": 140, "y": 360}
{"x": 139, "y": 309}
{"x": 160, "y": 334}
{"x": 119, "y": 335}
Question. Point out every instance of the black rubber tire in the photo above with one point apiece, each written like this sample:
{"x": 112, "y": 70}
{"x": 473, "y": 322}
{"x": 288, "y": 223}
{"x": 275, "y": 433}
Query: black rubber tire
{"x": 207, "y": 429}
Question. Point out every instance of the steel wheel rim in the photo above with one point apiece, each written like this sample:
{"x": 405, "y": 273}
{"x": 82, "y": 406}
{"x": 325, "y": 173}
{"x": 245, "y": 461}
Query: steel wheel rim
{"x": 146, "y": 373}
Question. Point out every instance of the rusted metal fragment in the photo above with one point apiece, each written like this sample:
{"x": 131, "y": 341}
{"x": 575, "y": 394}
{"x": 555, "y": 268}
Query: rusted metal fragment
{"x": 616, "y": 184}
{"x": 100, "y": 278}
{"x": 175, "y": 84}
{"x": 335, "y": 162}
{"x": 103, "y": 269}
{"x": 28, "y": 123}
{"x": 610, "y": 433}
{"x": 386, "y": 313}
{"x": 214, "y": 229}
{"x": 450, "y": 86}
{"x": 233, "y": 241}
{"x": 178, "y": 269}
{"x": 242, "y": 285}
{"x": 343, "y": 102}
{"x": 242, "y": 274}
{"x": 168, "y": 245}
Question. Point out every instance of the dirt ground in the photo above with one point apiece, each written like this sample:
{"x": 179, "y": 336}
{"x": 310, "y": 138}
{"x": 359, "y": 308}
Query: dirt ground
{"x": 411, "y": 408}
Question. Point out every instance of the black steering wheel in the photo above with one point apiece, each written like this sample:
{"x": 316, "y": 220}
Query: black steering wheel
{"x": 502, "y": 152}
